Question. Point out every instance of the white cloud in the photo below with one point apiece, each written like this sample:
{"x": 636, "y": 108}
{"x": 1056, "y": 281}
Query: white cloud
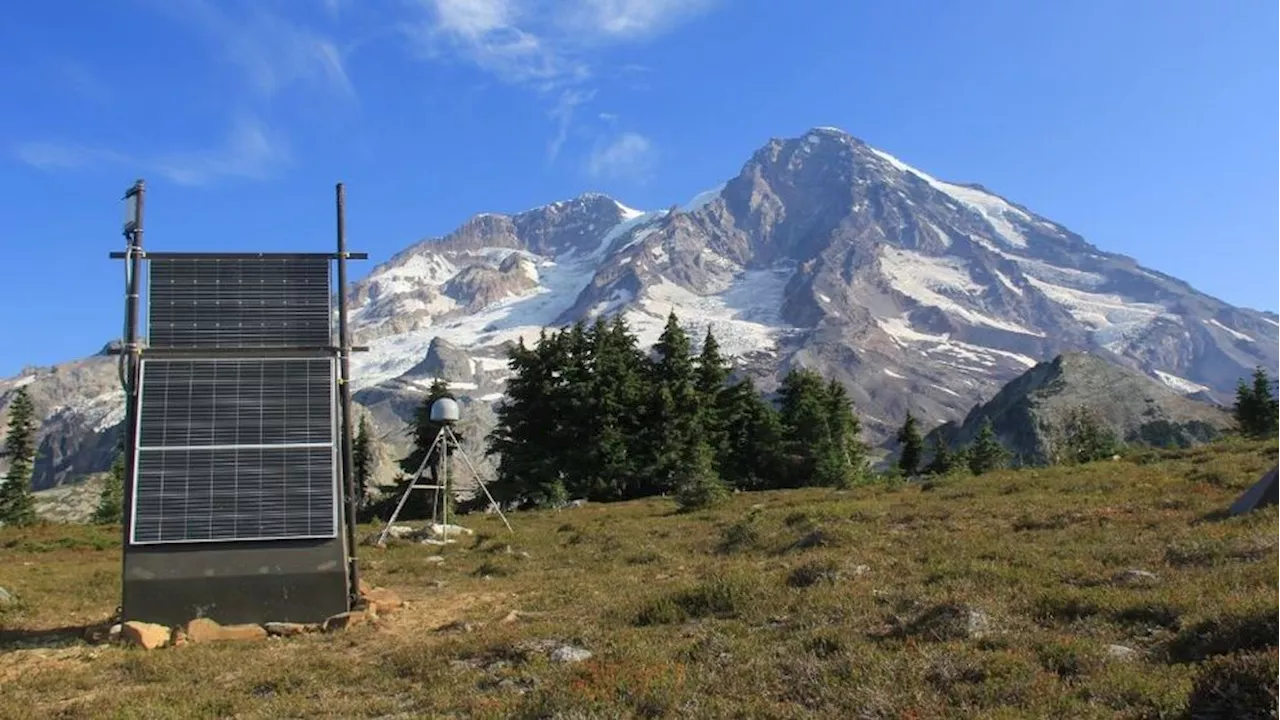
{"x": 562, "y": 113}
{"x": 249, "y": 151}
{"x": 628, "y": 19}
{"x": 272, "y": 51}
{"x": 628, "y": 156}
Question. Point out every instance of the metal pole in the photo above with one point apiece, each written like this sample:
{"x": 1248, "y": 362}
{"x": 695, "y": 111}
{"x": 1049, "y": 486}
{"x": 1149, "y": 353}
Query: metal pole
{"x": 344, "y": 393}
{"x": 132, "y": 352}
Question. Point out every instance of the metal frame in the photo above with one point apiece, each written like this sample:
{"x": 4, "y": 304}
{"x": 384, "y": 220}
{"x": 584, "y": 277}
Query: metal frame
{"x": 334, "y": 429}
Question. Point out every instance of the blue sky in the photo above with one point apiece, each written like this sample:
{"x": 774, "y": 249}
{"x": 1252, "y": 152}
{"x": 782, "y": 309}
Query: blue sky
{"x": 1148, "y": 127}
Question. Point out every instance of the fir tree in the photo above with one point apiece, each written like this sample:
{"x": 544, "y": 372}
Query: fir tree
{"x": 1256, "y": 411}
{"x": 525, "y": 437}
{"x": 362, "y": 461}
{"x": 1085, "y": 438}
{"x": 697, "y": 485}
{"x": 848, "y": 457}
{"x": 753, "y": 453}
{"x": 675, "y": 414}
{"x": 912, "y": 446}
{"x": 987, "y": 453}
{"x": 808, "y": 443}
{"x": 110, "y": 510}
{"x": 17, "y": 506}
{"x": 710, "y": 377}
{"x": 944, "y": 461}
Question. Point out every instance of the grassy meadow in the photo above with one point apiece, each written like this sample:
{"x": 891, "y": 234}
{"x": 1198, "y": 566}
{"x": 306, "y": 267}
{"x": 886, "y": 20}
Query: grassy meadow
{"x": 1000, "y": 596}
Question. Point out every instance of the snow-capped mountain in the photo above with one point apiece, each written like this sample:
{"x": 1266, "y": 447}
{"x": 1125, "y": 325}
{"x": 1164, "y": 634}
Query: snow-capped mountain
{"x": 918, "y": 293}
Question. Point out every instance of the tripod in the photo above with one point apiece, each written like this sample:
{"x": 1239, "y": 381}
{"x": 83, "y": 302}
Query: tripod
{"x": 444, "y": 445}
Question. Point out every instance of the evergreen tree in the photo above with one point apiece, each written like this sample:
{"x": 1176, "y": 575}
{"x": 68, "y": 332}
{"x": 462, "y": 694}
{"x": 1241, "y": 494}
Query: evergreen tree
{"x": 524, "y": 437}
{"x": 848, "y": 457}
{"x": 362, "y": 462}
{"x": 675, "y": 412}
{"x": 710, "y": 378}
{"x": 912, "y": 446}
{"x": 110, "y": 510}
{"x": 1085, "y": 438}
{"x": 944, "y": 461}
{"x": 17, "y": 506}
{"x": 753, "y": 453}
{"x": 1257, "y": 413}
{"x": 987, "y": 453}
{"x": 809, "y": 447}
{"x": 697, "y": 485}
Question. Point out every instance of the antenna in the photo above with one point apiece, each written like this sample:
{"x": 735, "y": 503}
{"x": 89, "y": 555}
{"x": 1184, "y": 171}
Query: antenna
{"x": 445, "y": 444}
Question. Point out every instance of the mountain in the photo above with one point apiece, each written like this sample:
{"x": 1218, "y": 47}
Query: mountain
{"x": 822, "y": 251}
{"x": 1028, "y": 413}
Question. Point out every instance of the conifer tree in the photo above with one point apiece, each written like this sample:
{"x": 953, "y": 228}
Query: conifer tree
{"x": 912, "y": 446}
{"x": 987, "y": 453}
{"x": 362, "y": 461}
{"x": 17, "y": 506}
{"x": 1256, "y": 411}
{"x": 710, "y": 377}
{"x": 944, "y": 461}
{"x": 110, "y": 509}
{"x": 697, "y": 485}
{"x": 675, "y": 413}
{"x": 753, "y": 453}
{"x": 848, "y": 457}
{"x": 1085, "y": 438}
{"x": 805, "y": 416}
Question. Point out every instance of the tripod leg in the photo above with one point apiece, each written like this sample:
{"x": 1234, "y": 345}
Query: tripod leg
{"x": 485, "y": 488}
{"x": 382, "y": 539}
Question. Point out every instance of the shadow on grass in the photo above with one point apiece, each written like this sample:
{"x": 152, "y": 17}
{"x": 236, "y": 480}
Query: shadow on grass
{"x": 50, "y": 638}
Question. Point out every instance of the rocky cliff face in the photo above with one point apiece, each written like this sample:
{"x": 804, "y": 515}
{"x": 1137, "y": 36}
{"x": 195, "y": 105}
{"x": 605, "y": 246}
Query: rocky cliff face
{"x": 822, "y": 251}
{"x": 1028, "y": 413}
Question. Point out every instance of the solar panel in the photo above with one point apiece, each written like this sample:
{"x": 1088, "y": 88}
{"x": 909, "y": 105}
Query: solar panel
{"x": 239, "y": 302}
{"x": 235, "y": 449}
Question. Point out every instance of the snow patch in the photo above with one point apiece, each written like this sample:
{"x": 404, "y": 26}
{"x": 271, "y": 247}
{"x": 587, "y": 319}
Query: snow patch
{"x": 703, "y": 198}
{"x": 627, "y": 212}
{"x": 891, "y": 373}
{"x": 490, "y": 397}
{"x": 930, "y": 280}
{"x": 1112, "y": 318}
{"x": 991, "y": 208}
{"x": 904, "y": 335}
{"x": 1007, "y": 282}
{"x": 1180, "y": 384}
{"x": 1233, "y": 333}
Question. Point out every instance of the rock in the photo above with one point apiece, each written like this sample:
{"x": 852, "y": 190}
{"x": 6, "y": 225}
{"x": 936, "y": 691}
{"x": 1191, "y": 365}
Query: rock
{"x": 1121, "y": 652}
{"x": 383, "y": 600}
{"x": 517, "y": 615}
{"x": 433, "y": 559}
{"x": 6, "y": 597}
{"x": 179, "y": 637}
{"x": 206, "y": 630}
{"x": 578, "y": 503}
{"x": 288, "y": 629}
{"x": 344, "y": 621}
{"x": 437, "y": 530}
{"x": 145, "y": 635}
{"x": 457, "y": 626}
{"x": 1135, "y": 578}
{"x": 570, "y": 654}
{"x": 859, "y": 570}
{"x": 401, "y": 532}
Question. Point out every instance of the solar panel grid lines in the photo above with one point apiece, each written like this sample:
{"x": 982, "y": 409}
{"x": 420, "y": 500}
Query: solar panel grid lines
{"x": 235, "y": 449}
{"x": 239, "y": 302}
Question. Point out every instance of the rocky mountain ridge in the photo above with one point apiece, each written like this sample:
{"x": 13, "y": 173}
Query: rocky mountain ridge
{"x": 822, "y": 251}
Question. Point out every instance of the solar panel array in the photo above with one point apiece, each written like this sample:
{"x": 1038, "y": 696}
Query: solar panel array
{"x": 241, "y": 444}
{"x": 239, "y": 302}
{"x": 235, "y": 449}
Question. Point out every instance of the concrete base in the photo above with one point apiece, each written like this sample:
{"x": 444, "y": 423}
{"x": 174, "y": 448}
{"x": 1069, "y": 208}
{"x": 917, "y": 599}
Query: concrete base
{"x": 283, "y": 581}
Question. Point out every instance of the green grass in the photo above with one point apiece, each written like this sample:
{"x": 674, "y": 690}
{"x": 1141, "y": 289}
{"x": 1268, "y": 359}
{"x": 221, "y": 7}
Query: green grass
{"x": 789, "y": 604}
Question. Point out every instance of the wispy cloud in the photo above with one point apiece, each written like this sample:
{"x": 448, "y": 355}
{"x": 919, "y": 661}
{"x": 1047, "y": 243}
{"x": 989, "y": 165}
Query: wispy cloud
{"x": 562, "y": 113}
{"x": 249, "y": 151}
{"x": 545, "y": 45}
{"x": 628, "y": 156}
{"x": 272, "y": 51}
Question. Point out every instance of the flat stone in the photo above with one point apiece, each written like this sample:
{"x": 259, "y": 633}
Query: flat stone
{"x": 206, "y": 630}
{"x": 570, "y": 654}
{"x": 1121, "y": 652}
{"x": 6, "y": 597}
{"x": 145, "y": 635}
{"x": 344, "y": 621}
{"x": 1135, "y": 578}
{"x": 433, "y": 559}
{"x": 382, "y": 600}
{"x": 288, "y": 629}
